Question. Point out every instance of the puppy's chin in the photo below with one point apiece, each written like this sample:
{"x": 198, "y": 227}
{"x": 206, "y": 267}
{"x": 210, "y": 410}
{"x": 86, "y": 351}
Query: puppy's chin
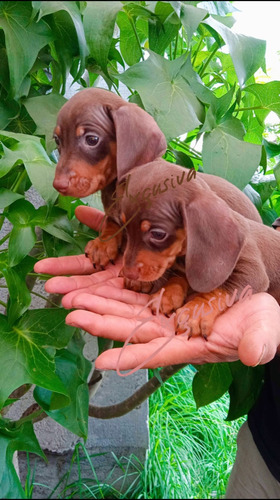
{"x": 151, "y": 275}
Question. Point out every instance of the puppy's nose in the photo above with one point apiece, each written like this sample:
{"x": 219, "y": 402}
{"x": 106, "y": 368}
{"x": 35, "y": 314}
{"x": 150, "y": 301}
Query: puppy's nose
{"x": 60, "y": 184}
{"x": 132, "y": 273}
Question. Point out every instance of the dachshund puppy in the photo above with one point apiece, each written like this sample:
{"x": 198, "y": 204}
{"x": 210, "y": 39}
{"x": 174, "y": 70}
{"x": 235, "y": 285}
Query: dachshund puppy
{"x": 188, "y": 236}
{"x": 101, "y": 137}
{"x": 96, "y": 132}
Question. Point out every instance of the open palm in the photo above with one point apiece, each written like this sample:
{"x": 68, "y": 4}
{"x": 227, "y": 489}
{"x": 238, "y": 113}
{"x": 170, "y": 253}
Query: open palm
{"x": 249, "y": 331}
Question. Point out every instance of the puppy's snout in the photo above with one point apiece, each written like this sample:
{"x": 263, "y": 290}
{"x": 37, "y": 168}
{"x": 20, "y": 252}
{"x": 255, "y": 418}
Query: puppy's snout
{"x": 61, "y": 184}
{"x": 132, "y": 273}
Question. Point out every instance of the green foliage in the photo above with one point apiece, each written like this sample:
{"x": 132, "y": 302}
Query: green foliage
{"x": 182, "y": 62}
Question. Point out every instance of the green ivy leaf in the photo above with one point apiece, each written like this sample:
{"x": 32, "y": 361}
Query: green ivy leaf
{"x": 267, "y": 97}
{"x": 165, "y": 93}
{"x": 163, "y": 28}
{"x": 99, "y": 23}
{"x": 40, "y": 170}
{"x": 55, "y": 247}
{"x": 24, "y": 38}
{"x": 244, "y": 388}
{"x": 19, "y": 294}
{"x": 21, "y": 241}
{"x": 7, "y": 197}
{"x": 190, "y": 16}
{"x": 268, "y": 214}
{"x": 234, "y": 127}
{"x": 56, "y": 223}
{"x": 15, "y": 436}
{"x": 39, "y": 167}
{"x": 25, "y": 356}
{"x": 21, "y": 213}
{"x": 247, "y": 53}
{"x": 130, "y": 50}
{"x": 210, "y": 383}
{"x": 255, "y": 131}
{"x": 230, "y": 158}
{"x": 64, "y": 43}
{"x": 218, "y": 108}
{"x": 23, "y": 123}
{"x": 271, "y": 148}
{"x": 73, "y": 369}
{"x": 219, "y": 8}
{"x": 264, "y": 185}
{"x": 44, "y": 110}
{"x": 8, "y": 111}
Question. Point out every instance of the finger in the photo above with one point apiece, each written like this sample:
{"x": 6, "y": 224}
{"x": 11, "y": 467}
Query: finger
{"x": 104, "y": 305}
{"x": 261, "y": 328}
{"x": 67, "y": 284}
{"x": 157, "y": 353}
{"x": 89, "y": 216}
{"x": 111, "y": 289}
{"x": 67, "y": 300}
{"x": 72, "y": 264}
{"x": 121, "y": 329}
{"x": 259, "y": 344}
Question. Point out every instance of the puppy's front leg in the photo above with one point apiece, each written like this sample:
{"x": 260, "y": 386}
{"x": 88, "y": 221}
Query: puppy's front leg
{"x": 106, "y": 247}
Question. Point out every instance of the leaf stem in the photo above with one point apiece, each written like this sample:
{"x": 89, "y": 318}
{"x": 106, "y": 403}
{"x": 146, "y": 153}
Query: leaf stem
{"x": 211, "y": 55}
{"x": 194, "y": 153}
{"x": 44, "y": 298}
{"x": 250, "y": 108}
{"x": 18, "y": 181}
{"x": 5, "y": 238}
{"x": 197, "y": 50}
{"x": 176, "y": 45}
{"x": 136, "y": 36}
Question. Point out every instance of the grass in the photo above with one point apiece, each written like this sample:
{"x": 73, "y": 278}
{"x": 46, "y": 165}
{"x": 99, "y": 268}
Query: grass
{"x": 191, "y": 451}
{"x": 190, "y": 456}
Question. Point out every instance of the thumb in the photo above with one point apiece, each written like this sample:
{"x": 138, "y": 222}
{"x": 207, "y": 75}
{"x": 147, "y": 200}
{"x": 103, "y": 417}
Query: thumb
{"x": 259, "y": 345}
{"x": 91, "y": 217}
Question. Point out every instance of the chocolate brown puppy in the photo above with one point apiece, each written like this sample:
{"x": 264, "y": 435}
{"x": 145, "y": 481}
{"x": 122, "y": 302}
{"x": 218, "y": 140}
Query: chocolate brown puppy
{"x": 96, "y": 132}
{"x": 183, "y": 235}
{"x": 101, "y": 137}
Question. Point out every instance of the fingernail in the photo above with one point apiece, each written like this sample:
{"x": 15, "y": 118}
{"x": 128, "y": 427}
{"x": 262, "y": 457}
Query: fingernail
{"x": 261, "y": 356}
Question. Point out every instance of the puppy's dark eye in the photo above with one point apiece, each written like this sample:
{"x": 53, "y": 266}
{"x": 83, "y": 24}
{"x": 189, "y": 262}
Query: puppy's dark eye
{"x": 158, "y": 234}
{"x": 56, "y": 138}
{"x": 91, "y": 140}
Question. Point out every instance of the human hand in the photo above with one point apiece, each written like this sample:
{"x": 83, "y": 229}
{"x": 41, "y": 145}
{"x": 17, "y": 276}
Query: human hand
{"x": 249, "y": 331}
{"x": 79, "y": 266}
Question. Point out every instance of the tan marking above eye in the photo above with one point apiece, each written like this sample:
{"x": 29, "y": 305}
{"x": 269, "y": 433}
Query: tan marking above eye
{"x": 123, "y": 218}
{"x": 80, "y": 131}
{"x": 57, "y": 130}
{"x": 145, "y": 226}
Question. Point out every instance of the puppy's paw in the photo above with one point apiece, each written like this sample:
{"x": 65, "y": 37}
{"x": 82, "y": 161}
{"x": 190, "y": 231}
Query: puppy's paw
{"x": 101, "y": 253}
{"x": 198, "y": 316}
{"x": 172, "y": 298}
{"x": 137, "y": 286}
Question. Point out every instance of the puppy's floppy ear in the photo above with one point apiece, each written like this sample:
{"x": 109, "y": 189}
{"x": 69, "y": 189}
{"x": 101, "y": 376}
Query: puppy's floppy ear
{"x": 214, "y": 241}
{"x": 139, "y": 139}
